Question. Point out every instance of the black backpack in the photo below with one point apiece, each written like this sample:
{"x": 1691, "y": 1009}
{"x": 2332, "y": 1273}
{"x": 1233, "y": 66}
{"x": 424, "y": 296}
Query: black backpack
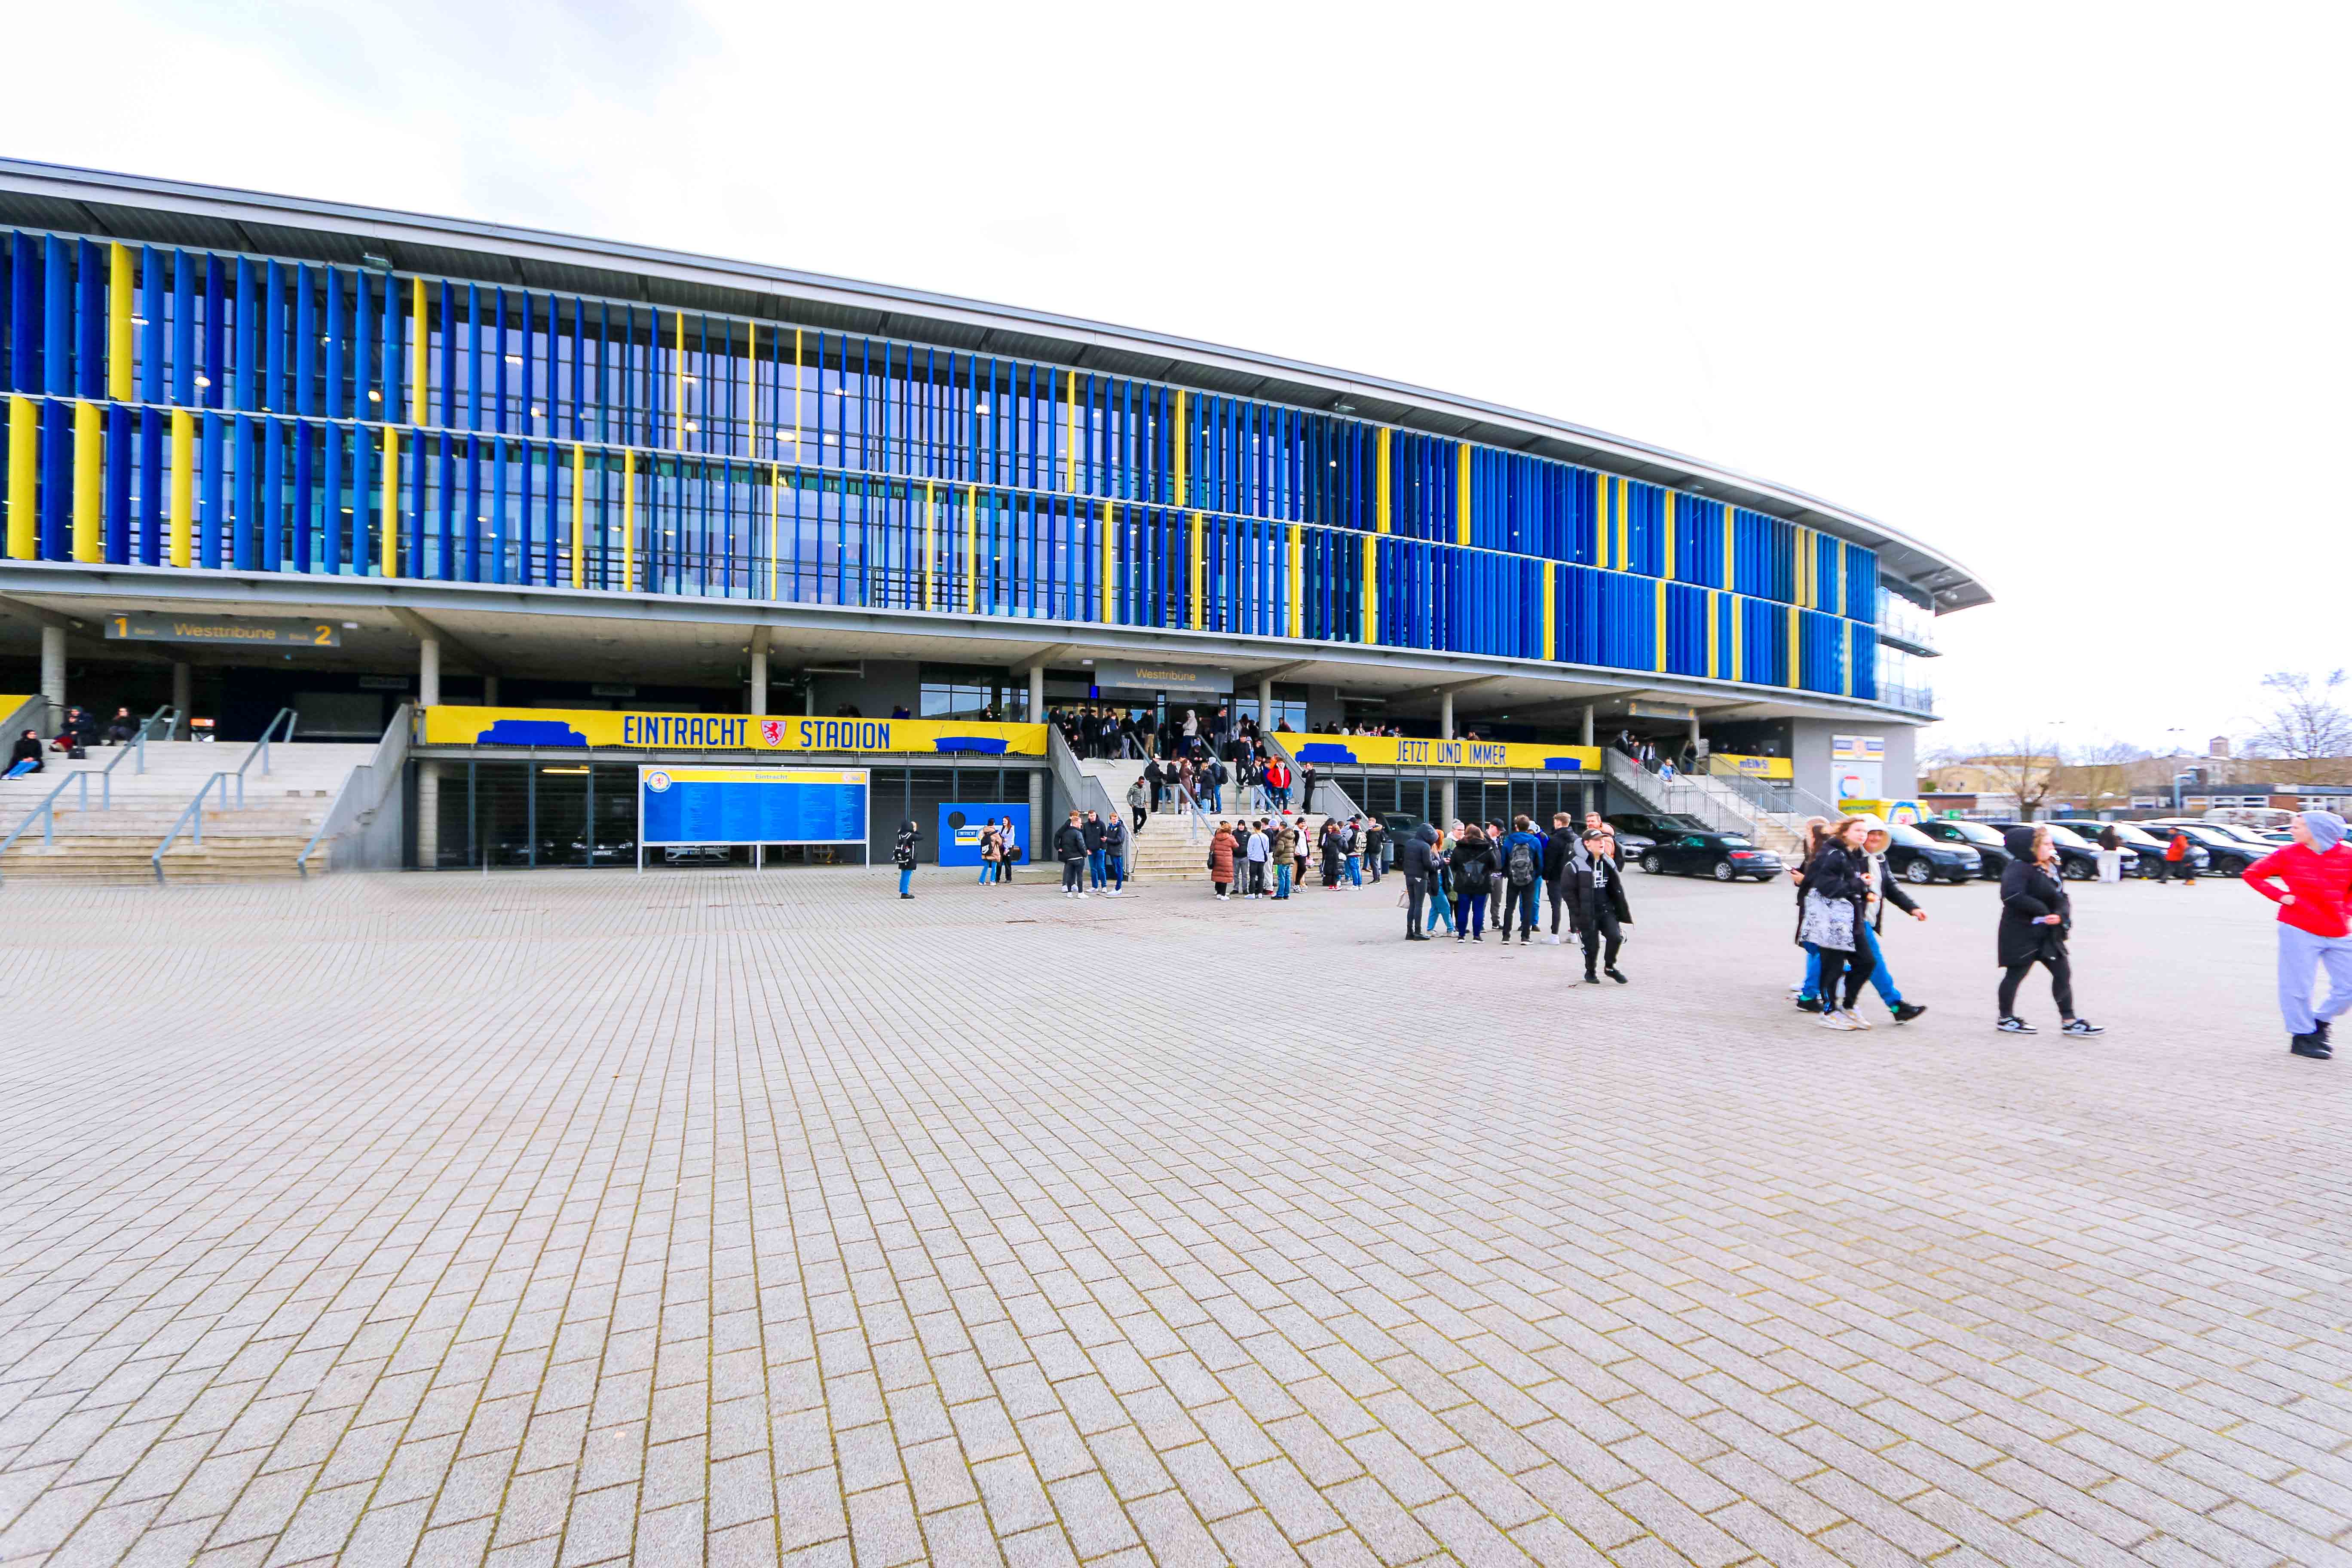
{"x": 1522, "y": 867}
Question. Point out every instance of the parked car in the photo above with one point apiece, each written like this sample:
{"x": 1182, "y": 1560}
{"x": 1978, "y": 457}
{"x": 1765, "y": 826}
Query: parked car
{"x": 2078, "y": 858}
{"x": 1726, "y": 857}
{"x": 1918, "y": 858}
{"x": 2230, "y": 857}
{"x": 1657, "y": 826}
{"x": 1991, "y": 852}
{"x": 2142, "y": 849}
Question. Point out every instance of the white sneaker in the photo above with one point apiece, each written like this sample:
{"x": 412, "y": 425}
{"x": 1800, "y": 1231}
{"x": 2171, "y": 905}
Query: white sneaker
{"x": 1854, "y": 1020}
{"x": 1834, "y": 1021}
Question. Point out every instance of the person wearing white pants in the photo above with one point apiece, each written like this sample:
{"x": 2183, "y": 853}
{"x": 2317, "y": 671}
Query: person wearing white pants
{"x": 2111, "y": 855}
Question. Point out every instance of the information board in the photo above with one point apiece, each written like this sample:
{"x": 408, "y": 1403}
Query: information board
{"x": 679, "y": 806}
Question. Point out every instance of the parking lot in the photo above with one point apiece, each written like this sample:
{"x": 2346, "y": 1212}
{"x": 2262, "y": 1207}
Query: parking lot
{"x": 578, "y": 1217}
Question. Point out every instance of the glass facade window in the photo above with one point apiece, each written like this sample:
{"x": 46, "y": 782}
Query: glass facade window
{"x": 166, "y": 407}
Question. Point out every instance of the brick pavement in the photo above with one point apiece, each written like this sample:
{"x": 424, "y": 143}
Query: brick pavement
{"x": 574, "y": 1217}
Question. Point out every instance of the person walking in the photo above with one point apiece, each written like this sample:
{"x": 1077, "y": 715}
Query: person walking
{"x": 1418, "y": 860}
{"x": 1221, "y": 860}
{"x": 2035, "y": 918}
{"x": 1522, "y": 852}
{"x": 1597, "y": 907}
{"x": 1286, "y": 857}
{"x": 2311, "y": 881}
{"x": 1473, "y": 862}
{"x": 1093, "y": 828}
{"x": 1136, "y": 799}
{"x": 1154, "y": 779}
{"x": 904, "y": 854}
{"x": 1440, "y": 885}
{"x": 2177, "y": 861}
{"x": 1886, "y": 891}
{"x": 1560, "y": 846}
{"x": 1256, "y": 851}
{"x": 1835, "y": 894}
{"x": 2111, "y": 854}
{"x": 1070, "y": 847}
{"x": 1114, "y": 852}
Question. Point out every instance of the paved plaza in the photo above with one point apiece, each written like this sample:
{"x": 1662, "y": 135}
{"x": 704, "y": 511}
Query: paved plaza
{"x": 572, "y": 1217}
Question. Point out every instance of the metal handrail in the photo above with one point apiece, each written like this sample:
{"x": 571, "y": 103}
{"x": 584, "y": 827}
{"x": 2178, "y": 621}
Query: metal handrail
{"x": 1324, "y": 782}
{"x": 196, "y": 809}
{"x": 46, "y": 811}
{"x": 135, "y": 746}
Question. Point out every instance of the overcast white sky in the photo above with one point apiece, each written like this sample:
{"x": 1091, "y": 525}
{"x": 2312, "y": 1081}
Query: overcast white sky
{"x": 2061, "y": 289}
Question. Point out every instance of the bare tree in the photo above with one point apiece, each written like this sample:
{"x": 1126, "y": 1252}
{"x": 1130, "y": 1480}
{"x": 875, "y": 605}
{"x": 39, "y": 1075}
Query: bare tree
{"x": 2026, "y": 770}
{"x": 2102, "y": 775}
{"x": 2307, "y": 730}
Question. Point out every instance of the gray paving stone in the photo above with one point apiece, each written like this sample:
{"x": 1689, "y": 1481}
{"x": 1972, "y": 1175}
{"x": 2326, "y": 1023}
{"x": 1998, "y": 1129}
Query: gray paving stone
{"x": 560, "y": 1218}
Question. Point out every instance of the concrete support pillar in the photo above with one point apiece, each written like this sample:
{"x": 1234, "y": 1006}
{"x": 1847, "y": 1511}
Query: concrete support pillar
{"x": 490, "y": 691}
{"x": 759, "y": 705}
{"x": 1265, "y": 705}
{"x": 1584, "y": 731}
{"x": 428, "y": 774}
{"x": 1695, "y": 736}
{"x": 1039, "y": 831}
{"x": 184, "y": 697}
{"x": 53, "y": 676}
{"x": 1445, "y": 732}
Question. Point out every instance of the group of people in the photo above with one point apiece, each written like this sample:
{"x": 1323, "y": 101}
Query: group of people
{"x": 1261, "y": 780}
{"x": 1261, "y": 858}
{"x": 1092, "y": 849}
{"x": 1098, "y": 730}
{"x": 78, "y": 732}
{"x": 1845, "y": 887}
{"x": 1454, "y": 877}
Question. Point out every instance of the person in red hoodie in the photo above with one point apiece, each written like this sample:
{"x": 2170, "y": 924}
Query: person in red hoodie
{"x": 2311, "y": 881}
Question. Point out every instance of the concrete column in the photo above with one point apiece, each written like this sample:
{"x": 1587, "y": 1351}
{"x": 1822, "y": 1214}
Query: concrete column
{"x": 490, "y": 691}
{"x": 1584, "y": 732}
{"x": 1265, "y": 705}
{"x": 53, "y": 676}
{"x": 1445, "y": 732}
{"x": 759, "y": 706}
{"x": 184, "y": 697}
{"x": 808, "y": 691}
{"x": 428, "y": 774}
{"x": 1039, "y": 832}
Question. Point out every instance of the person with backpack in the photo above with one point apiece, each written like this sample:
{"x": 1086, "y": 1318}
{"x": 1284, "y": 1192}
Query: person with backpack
{"x": 1474, "y": 864}
{"x": 990, "y": 846}
{"x": 1594, "y": 886}
{"x": 1523, "y": 856}
{"x": 1114, "y": 852}
{"x": 903, "y": 852}
{"x": 1284, "y": 851}
{"x": 2311, "y": 881}
{"x": 1070, "y": 847}
{"x": 2035, "y": 918}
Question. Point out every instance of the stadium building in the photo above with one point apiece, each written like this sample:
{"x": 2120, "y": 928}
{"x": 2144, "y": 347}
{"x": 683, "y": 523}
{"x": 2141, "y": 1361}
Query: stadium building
{"x": 526, "y": 512}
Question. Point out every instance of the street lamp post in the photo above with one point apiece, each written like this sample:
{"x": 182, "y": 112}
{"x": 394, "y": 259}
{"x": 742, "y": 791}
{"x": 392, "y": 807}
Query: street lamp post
{"x": 2176, "y": 791}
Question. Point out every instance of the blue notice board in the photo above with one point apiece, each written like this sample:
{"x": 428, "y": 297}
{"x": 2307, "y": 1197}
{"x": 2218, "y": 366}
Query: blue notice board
{"x": 751, "y": 805}
{"x": 961, "y": 820}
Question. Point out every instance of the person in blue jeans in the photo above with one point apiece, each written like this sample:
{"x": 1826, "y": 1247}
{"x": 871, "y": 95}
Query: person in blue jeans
{"x": 1355, "y": 842}
{"x": 1884, "y": 890}
{"x": 904, "y": 853}
{"x": 1094, "y": 832}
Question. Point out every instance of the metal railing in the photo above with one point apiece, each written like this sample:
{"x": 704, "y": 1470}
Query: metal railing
{"x": 1083, "y": 789}
{"x": 46, "y": 812}
{"x": 192, "y": 817}
{"x": 1333, "y": 800}
{"x": 363, "y": 793}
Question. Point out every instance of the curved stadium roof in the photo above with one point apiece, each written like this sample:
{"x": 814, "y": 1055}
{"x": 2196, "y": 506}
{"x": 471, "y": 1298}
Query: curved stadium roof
{"x": 46, "y": 196}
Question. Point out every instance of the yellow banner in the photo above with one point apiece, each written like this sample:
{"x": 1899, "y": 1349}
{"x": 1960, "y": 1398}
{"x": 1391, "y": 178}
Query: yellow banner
{"x": 1403, "y": 751}
{"x": 1753, "y": 767}
{"x": 630, "y": 730}
{"x": 10, "y": 704}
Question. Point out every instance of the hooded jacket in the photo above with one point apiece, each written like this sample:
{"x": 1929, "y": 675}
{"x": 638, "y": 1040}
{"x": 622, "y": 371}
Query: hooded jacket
{"x": 1418, "y": 857}
{"x": 903, "y": 852}
{"x": 2027, "y": 894}
{"x": 1583, "y": 899}
{"x": 2321, "y": 884}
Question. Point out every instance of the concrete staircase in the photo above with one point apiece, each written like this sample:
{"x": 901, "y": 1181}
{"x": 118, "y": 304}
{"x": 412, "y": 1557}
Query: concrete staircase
{"x": 282, "y": 809}
{"x": 1166, "y": 850}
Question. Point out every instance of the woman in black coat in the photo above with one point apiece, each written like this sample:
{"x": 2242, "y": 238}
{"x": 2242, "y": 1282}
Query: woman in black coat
{"x": 2035, "y": 918}
{"x": 1834, "y": 904}
{"x": 27, "y": 749}
{"x": 1472, "y": 864}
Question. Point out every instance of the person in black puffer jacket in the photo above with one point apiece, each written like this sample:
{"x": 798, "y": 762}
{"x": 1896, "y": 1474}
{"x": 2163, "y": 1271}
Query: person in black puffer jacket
{"x": 1836, "y": 893}
{"x": 2035, "y": 918}
{"x": 1472, "y": 863}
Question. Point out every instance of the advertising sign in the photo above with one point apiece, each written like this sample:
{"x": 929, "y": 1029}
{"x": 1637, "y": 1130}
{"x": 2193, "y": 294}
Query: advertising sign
{"x": 1756, "y": 767}
{"x": 1904, "y": 811}
{"x": 1857, "y": 749}
{"x": 252, "y": 631}
{"x": 1397, "y": 751}
{"x": 961, "y": 820}
{"x": 751, "y": 805}
{"x": 629, "y": 730}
